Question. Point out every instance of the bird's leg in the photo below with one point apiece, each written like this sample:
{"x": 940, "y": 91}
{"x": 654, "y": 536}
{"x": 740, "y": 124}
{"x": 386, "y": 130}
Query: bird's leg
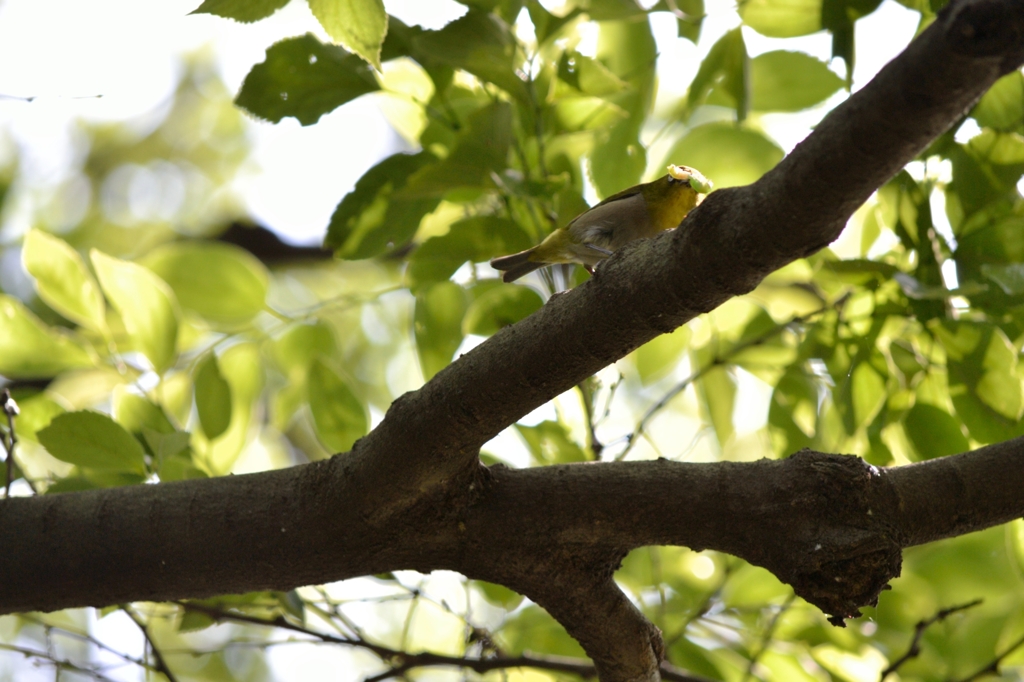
{"x": 604, "y": 252}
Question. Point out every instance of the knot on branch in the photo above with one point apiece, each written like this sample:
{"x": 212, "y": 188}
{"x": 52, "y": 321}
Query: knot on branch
{"x": 987, "y": 28}
{"x": 844, "y": 546}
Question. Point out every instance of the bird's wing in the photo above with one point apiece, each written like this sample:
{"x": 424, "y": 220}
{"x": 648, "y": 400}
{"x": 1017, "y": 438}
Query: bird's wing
{"x": 598, "y": 226}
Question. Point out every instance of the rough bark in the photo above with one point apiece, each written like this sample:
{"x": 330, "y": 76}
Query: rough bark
{"x": 412, "y": 495}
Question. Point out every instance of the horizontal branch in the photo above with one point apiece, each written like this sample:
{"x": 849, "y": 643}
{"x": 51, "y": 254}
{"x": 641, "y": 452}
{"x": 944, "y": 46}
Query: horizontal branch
{"x": 805, "y": 518}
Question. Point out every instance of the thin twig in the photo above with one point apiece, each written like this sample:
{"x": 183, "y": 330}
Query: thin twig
{"x": 992, "y": 668}
{"x": 161, "y": 663}
{"x": 60, "y": 663}
{"x": 587, "y": 397}
{"x": 718, "y": 360}
{"x": 402, "y": 662}
{"x": 766, "y": 638}
{"x": 915, "y": 644}
{"x": 9, "y": 440}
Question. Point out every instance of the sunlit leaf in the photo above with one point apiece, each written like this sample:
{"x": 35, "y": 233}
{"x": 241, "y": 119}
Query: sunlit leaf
{"x": 63, "y": 281}
{"x": 371, "y": 219}
{"x": 782, "y": 18}
{"x": 717, "y": 389}
{"x": 339, "y": 415}
{"x": 481, "y": 149}
{"x": 136, "y": 413}
{"x": 934, "y": 432}
{"x": 213, "y": 397}
{"x": 790, "y": 81}
{"x": 500, "y": 307}
{"x": 30, "y": 349}
{"x": 655, "y": 358}
{"x": 246, "y": 11}
{"x": 499, "y": 595}
{"x": 360, "y": 25}
{"x": 93, "y": 440}
{"x": 549, "y": 443}
{"x": 475, "y": 239}
{"x": 725, "y": 68}
{"x": 628, "y": 49}
{"x": 146, "y": 304}
{"x": 1002, "y": 107}
{"x": 37, "y": 412}
{"x": 480, "y": 43}
{"x": 731, "y": 156}
{"x": 304, "y": 78}
{"x": 222, "y": 283}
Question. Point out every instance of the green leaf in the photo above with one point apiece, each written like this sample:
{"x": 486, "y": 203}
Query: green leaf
{"x": 146, "y": 305}
{"x": 724, "y": 69}
{"x": 1002, "y": 107}
{"x": 838, "y": 17}
{"x": 29, "y": 349}
{"x": 242, "y": 366}
{"x": 339, "y": 416}
{"x": 136, "y": 413}
{"x": 782, "y": 18}
{"x": 371, "y": 219}
{"x": 499, "y": 595}
{"x": 1010, "y": 277}
{"x": 588, "y": 75}
{"x": 221, "y": 282}
{"x": 475, "y": 239}
{"x": 793, "y": 411}
{"x": 481, "y": 149}
{"x": 37, "y": 412}
{"x": 689, "y": 16}
{"x": 299, "y": 346}
{"x": 479, "y": 43}
{"x": 934, "y": 432}
{"x": 545, "y": 24}
{"x": 213, "y": 397}
{"x": 438, "y": 325}
{"x": 730, "y": 155}
{"x": 94, "y": 441}
{"x": 657, "y": 357}
{"x": 717, "y": 389}
{"x": 984, "y": 385}
{"x": 628, "y": 49}
{"x": 549, "y": 443}
{"x": 304, "y": 78}
{"x": 790, "y": 81}
{"x": 245, "y": 11}
{"x": 360, "y": 25}
{"x": 500, "y": 307}
{"x": 63, "y": 281}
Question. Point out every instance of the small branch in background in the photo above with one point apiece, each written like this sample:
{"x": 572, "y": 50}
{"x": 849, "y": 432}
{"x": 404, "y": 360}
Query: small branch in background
{"x": 992, "y": 667}
{"x": 9, "y": 440}
{"x": 401, "y": 662}
{"x": 161, "y": 664}
{"x": 641, "y": 426}
{"x": 915, "y": 644}
{"x": 587, "y": 388}
{"x": 766, "y": 638}
{"x": 58, "y": 663}
{"x": 268, "y": 247}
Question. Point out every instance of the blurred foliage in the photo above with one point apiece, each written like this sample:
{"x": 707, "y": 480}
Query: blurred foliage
{"x": 140, "y": 349}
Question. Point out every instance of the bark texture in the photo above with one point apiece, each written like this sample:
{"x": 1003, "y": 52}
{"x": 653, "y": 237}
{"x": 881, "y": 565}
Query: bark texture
{"x": 412, "y": 494}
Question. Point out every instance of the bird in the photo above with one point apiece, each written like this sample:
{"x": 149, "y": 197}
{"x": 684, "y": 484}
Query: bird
{"x": 641, "y": 211}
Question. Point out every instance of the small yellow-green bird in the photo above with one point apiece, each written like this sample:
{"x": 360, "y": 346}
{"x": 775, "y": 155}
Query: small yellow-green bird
{"x": 640, "y": 211}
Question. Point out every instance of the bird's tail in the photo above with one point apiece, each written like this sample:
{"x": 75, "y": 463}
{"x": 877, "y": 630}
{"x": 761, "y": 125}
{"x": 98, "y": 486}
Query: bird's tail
{"x": 516, "y": 265}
